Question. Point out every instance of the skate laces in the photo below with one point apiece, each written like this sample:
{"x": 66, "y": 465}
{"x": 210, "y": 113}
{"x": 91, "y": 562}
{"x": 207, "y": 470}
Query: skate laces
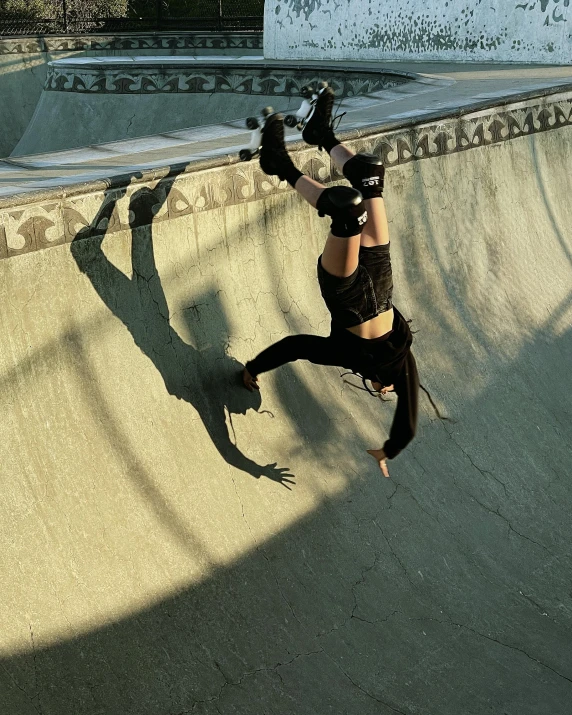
{"x": 337, "y": 118}
{"x": 334, "y": 123}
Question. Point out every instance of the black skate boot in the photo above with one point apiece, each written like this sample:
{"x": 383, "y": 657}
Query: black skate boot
{"x": 318, "y": 130}
{"x": 274, "y": 159}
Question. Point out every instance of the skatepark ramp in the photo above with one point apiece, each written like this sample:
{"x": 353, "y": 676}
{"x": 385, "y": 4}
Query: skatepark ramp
{"x": 92, "y": 100}
{"x": 173, "y": 544}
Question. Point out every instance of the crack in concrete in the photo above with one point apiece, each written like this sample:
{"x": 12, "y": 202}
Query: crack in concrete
{"x": 394, "y": 554}
{"x": 262, "y": 551}
{"x": 483, "y": 472}
{"x": 34, "y": 657}
{"x": 361, "y": 580}
{"x": 390, "y": 497}
{"x": 273, "y": 669}
{"x": 362, "y": 690}
{"x": 352, "y": 616}
{"x": 510, "y": 526}
{"x": 495, "y": 640}
{"x": 484, "y": 506}
{"x": 377, "y": 620}
{"x": 36, "y": 706}
{"x": 453, "y": 535}
{"x": 541, "y": 609}
{"x": 432, "y": 516}
{"x": 130, "y": 123}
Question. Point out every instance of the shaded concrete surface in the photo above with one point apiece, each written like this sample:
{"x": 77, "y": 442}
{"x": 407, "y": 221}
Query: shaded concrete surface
{"x": 170, "y": 544}
{"x": 97, "y": 100}
{"x": 80, "y": 120}
{"x": 67, "y": 119}
{"x": 24, "y": 61}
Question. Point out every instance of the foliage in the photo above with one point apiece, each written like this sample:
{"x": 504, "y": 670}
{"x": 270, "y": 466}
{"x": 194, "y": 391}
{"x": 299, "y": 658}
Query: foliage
{"x": 196, "y": 8}
{"x": 27, "y": 9}
{"x": 50, "y": 9}
{"x": 42, "y": 9}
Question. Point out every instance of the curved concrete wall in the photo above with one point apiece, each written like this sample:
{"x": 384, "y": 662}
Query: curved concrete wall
{"x": 24, "y": 61}
{"x": 497, "y": 30}
{"x": 87, "y": 102}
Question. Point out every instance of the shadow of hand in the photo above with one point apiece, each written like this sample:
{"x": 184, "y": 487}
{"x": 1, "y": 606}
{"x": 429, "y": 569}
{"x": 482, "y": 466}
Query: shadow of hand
{"x": 278, "y": 474}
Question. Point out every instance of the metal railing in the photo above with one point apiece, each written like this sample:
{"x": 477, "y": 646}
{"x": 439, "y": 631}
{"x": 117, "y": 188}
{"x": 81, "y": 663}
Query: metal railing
{"x": 45, "y": 17}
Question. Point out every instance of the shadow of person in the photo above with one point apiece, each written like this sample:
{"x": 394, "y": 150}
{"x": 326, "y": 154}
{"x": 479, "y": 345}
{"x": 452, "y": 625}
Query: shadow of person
{"x": 209, "y": 380}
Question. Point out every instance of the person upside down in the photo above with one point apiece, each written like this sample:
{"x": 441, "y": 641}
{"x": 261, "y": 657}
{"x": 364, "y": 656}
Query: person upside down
{"x": 369, "y": 336}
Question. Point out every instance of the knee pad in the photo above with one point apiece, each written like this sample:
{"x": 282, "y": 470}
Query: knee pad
{"x": 346, "y": 209}
{"x": 365, "y": 172}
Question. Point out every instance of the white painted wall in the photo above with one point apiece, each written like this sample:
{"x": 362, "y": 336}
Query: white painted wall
{"x": 483, "y": 30}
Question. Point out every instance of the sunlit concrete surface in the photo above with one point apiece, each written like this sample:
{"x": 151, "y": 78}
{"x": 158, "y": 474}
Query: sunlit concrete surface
{"x": 157, "y": 558}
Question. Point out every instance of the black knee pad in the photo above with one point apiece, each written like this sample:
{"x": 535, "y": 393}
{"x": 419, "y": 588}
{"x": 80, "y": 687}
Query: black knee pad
{"x": 365, "y": 172}
{"x": 346, "y": 208}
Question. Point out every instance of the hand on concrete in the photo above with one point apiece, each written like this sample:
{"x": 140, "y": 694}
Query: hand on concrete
{"x": 251, "y": 383}
{"x": 381, "y": 459}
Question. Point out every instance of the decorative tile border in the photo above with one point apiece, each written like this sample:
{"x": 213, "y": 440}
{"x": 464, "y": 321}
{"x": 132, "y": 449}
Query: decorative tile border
{"x": 182, "y": 41}
{"x": 119, "y": 79}
{"x": 22, "y": 46}
{"x": 478, "y": 129}
{"x": 60, "y": 219}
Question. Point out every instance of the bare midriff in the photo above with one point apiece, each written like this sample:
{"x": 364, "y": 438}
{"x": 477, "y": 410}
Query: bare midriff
{"x": 374, "y": 328}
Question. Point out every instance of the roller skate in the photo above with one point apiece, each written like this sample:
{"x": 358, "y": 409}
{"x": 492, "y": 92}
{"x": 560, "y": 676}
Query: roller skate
{"x": 254, "y": 124}
{"x": 319, "y": 125}
{"x": 268, "y": 143}
{"x": 310, "y": 95}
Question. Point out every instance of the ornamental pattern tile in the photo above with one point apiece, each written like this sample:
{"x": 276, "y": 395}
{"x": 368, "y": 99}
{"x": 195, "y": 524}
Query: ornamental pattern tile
{"x": 152, "y": 80}
{"x": 184, "y": 41}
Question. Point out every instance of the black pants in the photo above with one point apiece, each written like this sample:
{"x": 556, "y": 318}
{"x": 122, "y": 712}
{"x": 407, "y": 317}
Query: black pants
{"x": 315, "y": 349}
{"x": 374, "y": 359}
{"x": 351, "y": 301}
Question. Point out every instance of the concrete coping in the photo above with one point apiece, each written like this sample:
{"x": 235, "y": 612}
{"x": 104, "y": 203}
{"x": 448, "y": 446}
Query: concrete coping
{"x": 49, "y": 216}
{"x": 144, "y": 40}
{"x": 152, "y": 61}
{"x": 529, "y": 104}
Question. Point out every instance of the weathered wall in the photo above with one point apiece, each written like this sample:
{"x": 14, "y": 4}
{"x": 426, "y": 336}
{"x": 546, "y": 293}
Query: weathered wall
{"x": 499, "y": 30}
